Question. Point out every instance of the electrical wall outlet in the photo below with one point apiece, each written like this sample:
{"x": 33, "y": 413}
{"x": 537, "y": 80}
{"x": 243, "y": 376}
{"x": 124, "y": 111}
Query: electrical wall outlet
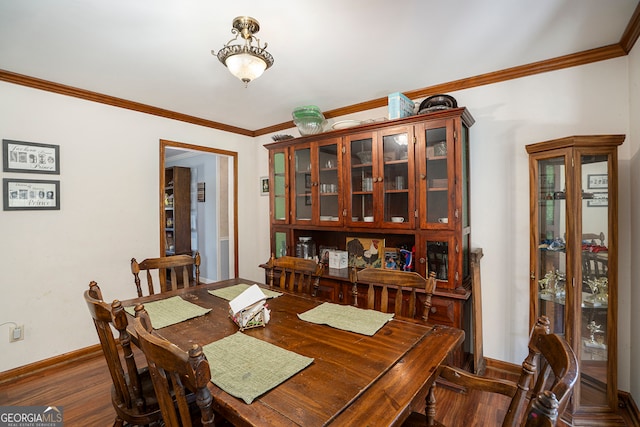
{"x": 16, "y": 333}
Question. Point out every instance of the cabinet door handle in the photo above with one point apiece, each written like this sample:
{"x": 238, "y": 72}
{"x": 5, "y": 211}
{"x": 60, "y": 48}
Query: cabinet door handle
{"x": 423, "y": 176}
{"x": 379, "y": 179}
{"x": 422, "y": 260}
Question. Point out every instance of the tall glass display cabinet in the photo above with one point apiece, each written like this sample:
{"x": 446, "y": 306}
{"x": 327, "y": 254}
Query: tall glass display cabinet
{"x": 573, "y": 261}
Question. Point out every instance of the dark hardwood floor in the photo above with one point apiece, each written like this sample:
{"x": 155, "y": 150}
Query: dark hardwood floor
{"x": 82, "y": 389}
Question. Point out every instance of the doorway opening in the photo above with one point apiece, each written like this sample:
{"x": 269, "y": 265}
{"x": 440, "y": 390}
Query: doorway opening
{"x": 212, "y": 213}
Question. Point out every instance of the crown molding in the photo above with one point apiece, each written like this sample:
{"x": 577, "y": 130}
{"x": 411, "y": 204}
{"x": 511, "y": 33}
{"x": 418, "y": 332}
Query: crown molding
{"x": 87, "y": 95}
{"x": 632, "y": 32}
{"x": 566, "y": 61}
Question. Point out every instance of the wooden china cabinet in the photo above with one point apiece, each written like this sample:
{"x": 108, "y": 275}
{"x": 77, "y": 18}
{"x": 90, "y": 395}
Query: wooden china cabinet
{"x": 401, "y": 184}
{"x": 574, "y": 261}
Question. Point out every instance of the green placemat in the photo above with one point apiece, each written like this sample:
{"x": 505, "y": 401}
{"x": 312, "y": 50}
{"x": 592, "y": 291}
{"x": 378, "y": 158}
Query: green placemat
{"x": 170, "y": 311}
{"x": 347, "y": 317}
{"x": 246, "y": 367}
{"x": 230, "y": 292}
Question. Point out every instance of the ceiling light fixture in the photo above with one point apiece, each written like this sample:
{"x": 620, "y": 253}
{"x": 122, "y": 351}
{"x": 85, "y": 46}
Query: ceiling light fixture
{"x": 245, "y": 61}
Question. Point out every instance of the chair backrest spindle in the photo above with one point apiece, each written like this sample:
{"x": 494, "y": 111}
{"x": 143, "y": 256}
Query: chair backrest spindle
{"x": 293, "y": 274}
{"x": 399, "y": 288}
{"x": 182, "y": 271}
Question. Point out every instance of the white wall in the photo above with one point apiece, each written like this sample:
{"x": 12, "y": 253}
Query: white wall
{"x": 109, "y": 213}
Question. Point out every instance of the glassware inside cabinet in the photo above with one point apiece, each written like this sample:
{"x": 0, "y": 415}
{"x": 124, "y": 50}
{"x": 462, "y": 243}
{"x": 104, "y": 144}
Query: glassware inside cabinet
{"x": 437, "y": 175}
{"x": 303, "y": 184}
{"x": 395, "y": 150}
{"x": 595, "y": 276}
{"x": 551, "y": 254}
{"x": 279, "y": 187}
{"x": 328, "y": 182}
{"x": 362, "y": 208}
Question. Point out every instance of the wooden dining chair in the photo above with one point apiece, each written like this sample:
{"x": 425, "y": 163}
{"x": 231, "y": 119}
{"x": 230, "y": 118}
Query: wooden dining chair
{"x": 541, "y": 393}
{"x": 394, "y": 291}
{"x": 174, "y": 272}
{"x": 293, "y": 274}
{"x": 175, "y": 374}
{"x": 132, "y": 395}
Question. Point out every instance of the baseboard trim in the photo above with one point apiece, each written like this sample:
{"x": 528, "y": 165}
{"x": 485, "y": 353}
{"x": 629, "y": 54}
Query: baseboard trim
{"x": 50, "y": 363}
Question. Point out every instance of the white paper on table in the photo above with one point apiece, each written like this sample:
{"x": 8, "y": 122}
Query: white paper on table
{"x": 249, "y": 297}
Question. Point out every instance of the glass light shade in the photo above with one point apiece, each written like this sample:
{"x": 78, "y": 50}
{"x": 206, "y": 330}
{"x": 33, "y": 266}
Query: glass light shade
{"x": 245, "y": 66}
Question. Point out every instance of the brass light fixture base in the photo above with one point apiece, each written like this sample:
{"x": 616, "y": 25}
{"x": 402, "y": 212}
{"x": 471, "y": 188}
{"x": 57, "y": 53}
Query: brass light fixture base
{"x": 246, "y": 26}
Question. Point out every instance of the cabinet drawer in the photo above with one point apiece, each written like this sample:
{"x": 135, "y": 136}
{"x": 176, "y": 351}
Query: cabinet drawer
{"x": 443, "y": 311}
{"x": 328, "y": 291}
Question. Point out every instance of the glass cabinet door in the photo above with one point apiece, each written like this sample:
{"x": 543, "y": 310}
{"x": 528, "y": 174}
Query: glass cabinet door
{"x": 551, "y": 252}
{"x": 280, "y": 245}
{"x": 435, "y": 164}
{"x": 440, "y": 254}
{"x": 398, "y": 178}
{"x": 329, "y": 167}
{"x": 438, "y": 259}
{"x": 302, "y": 184}
{"x": 279, "y": 193}
{"x": 361, "y": 175}
{"x": 594, "y": 309}
{"x": 381, "y": 177}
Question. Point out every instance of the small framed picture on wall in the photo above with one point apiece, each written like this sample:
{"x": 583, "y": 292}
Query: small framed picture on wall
{"x": 264, "y": 185}
{"x": 30, "y": 194}
{"x": 30, "y": 157}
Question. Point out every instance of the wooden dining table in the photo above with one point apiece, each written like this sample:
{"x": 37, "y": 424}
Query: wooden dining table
{"x": 354, "y": 380}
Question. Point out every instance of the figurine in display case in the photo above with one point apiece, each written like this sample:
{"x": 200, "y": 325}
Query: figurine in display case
{"x": 553, "y": 284}
{"x": 593, "y": 328}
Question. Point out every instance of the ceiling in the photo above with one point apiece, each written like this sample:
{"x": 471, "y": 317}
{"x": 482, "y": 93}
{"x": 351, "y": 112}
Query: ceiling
{"x": 330, "y": 53}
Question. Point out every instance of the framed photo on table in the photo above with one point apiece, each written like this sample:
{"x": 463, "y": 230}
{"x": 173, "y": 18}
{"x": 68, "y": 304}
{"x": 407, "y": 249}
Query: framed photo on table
{"x": 31, "y": 157}
{"x": 391, "y": 259}
{"x": 30, "y": 194}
